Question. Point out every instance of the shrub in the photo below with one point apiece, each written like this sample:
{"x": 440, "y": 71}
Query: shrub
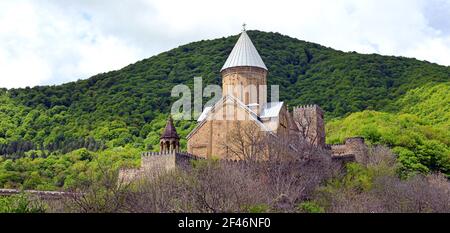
{"x": 259, "y": 208}
{"x": 310, "y": 207}
{"x": 20, "y": 204}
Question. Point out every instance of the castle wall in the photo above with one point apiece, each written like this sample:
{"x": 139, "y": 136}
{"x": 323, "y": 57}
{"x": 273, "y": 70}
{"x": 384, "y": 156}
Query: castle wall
{"x": 310, "y": 122}
{"x": 357, "y": 147}
{"x": 156, "y": 163}
{"x": 353, "y": 146}
{"x": 339, "y": 149}
{"x": 152, "y": 163}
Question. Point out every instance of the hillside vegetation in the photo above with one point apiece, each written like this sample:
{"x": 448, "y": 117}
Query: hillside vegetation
{"x": 419, "y": 133}
{"x": 396, "y": 101}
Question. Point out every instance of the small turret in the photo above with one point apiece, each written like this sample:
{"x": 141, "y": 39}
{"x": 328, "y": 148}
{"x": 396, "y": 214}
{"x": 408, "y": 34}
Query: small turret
{"x": 169, "y": 140}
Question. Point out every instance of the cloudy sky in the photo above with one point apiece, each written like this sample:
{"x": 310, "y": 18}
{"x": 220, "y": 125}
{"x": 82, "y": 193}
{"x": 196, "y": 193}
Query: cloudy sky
{"x": 46, "y": 42}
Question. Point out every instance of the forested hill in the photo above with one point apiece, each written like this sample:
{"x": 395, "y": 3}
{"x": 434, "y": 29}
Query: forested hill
{"x": 308, "y": 73}
{"x": 57, "y": 134}
{"x": 130, "y": 98}
{"x": 133, "y": 96}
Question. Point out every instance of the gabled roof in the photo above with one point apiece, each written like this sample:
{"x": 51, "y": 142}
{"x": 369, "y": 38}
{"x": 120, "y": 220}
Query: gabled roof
{"x": 170, "y": 132}
{"x": 244, "y": 53}
{"x": 272, "y": 109}
{"x": 205, "y": 114}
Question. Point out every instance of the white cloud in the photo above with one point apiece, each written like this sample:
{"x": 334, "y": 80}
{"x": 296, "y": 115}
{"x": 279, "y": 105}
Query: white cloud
{"x": 53, "y": 41}
{"x": 432, "y": 49}
{"x": 44, "y": 44}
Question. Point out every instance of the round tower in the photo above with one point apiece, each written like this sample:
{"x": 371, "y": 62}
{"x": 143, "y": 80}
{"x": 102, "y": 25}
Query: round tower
{"x": 244, "y": 74}
{"x": 169, "y": 141}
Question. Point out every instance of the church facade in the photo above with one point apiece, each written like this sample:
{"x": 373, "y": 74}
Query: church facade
{"x": 245, "y": 101}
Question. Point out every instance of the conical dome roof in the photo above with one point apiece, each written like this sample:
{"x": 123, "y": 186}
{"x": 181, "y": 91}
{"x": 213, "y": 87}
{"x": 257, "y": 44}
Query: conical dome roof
{"x": 244, "y": 53}
{"x": 170, "y": 132}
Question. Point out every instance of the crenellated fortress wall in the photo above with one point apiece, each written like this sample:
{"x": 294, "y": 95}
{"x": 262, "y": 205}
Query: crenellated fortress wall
{"x": 154, "y": 163}
{"x": 310, "y": 123}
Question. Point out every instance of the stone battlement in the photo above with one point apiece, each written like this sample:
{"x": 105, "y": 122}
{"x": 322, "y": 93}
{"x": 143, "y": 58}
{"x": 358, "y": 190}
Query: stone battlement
{"x": 308, "y": 106}
{"x": 178, "y": 154}
{"x": 144, "y": 154}
{"x": 154, "y": 163}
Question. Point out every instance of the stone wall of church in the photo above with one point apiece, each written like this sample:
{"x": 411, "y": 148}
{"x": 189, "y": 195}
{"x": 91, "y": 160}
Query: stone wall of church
{"x": 245, "y": 77}
{"x": 199, "y": 142}
{"x": 210, "y": 141}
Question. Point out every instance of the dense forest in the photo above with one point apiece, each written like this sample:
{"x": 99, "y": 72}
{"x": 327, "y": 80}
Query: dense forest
{"x": 52, "y": 137}
{"x": 419, "y": 133}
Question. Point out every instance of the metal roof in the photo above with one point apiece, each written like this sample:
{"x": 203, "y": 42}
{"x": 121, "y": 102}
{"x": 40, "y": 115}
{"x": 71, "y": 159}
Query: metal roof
{"x": 170, "y": 132}
{"x": 271, "y": 110}
{"x": 204, "y": 114}
{"x": 221, "y": 102}
{"x": 244, "y": 53}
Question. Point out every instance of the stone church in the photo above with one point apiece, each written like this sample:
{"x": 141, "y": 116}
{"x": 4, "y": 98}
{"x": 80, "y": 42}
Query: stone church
{"x": 245, "y": 100}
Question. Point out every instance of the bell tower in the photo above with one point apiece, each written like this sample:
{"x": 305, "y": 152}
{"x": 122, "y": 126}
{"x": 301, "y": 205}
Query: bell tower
{"x": 169, "y": 141}
{"x": 244, "y": 74}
